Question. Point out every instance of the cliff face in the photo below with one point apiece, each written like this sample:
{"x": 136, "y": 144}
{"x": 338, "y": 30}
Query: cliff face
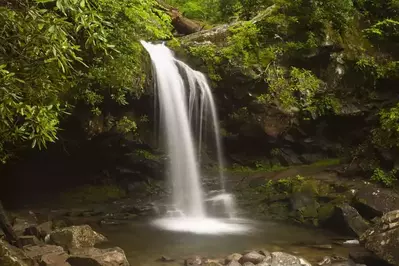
{"x": 288, "y": 91}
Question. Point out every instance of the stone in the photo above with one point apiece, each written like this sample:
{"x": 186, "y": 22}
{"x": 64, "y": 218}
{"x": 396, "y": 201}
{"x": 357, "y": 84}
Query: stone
{"x": 284, "y": 259}
{"x": 363, "y": 256}
{"x": 20, "y": 225}
{"x": 54, "y": 259}
{"x": 325, "y": 246}
{"x": 248, "y": 264}
{"x": 233, "y": 263}
{"x": 90, "y": 256}
{"x": 12, "y": 256}
{"x": 76, "y": 237}
{"x": 40, "y": 231}
{"x": 233, "y": 257}
{"x": 304, "y": 262}
{"x": 264, "y": 263}
{"x": 372, "y": 201}
{"x": 166, "y": 259}
{"x": 212, "y": 263}
{"x": 383, "y": 239}
{"x": 348, "y": 217}
{"x": 36, "y": 252}
{"x": 193, "y": 261}
{"x": 253, "y": 257}
{"x": 29, "y": 240}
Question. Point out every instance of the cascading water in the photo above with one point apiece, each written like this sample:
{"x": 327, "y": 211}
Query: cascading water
{"x": 185, "y": 104}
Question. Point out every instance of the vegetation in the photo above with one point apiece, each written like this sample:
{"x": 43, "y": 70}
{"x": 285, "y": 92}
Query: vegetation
{"x": 56, "y": 54}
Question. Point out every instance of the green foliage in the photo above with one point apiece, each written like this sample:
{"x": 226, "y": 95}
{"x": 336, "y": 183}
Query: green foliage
{"x": 56, "y": 53}
{"x": 386, "y": 178}
{"x": 387, "y": 135}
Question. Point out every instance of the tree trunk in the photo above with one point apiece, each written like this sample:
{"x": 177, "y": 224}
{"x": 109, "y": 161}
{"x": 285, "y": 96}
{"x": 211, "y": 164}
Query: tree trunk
{"x": 181, "y": 24}
{"x": 6, "y": 226}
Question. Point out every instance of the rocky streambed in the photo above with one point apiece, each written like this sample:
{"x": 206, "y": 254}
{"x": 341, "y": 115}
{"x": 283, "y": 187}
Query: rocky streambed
{"x": 304, "y": 216}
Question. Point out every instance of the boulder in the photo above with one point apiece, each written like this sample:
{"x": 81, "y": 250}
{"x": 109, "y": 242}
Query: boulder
{"x": 36, "y": 252}
{"x": 29, "y": 240}
{"x": 76, "y": 237}
{"x": 193, "y": 261}
{"x": 54, "y": 259}
{"x": 372, "y": 201}
{"x": 253, "y": 257}
{"x": 383, "y": 238}
{"x": 20, "y": 225}
{"x": 97, "y": 257}
{"x": 361, "y": 255}
{"x": 12, "y": 256}
{"x": 233, "y": 263}
{"x": 284, "y": 259}
{"x": 233, "y": 257}
{"x": 40, "y": 231}
{"x": 351, "y": 220}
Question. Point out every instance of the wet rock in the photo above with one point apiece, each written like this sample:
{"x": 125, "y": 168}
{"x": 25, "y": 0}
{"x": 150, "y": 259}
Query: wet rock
{"x": 326, "y": 260}
{"x": 54, "y": 259}
{"x": 304, "y": 262}
{"x": 253, "y": 257}
{"x": 233, "y": 257}
{"x": 166, "y": 259}
{"x": 351, "y": 242}
{"x": 76, "y": 237}
{"x": 97, "y": 257}
{"x": 212, "y": 263}
{"x": 284, "y": 259}
{"x": 372, "y": 201}
{"x": 12, "y": 256}
{"x": 265, "y": 253}
{"x": 326, "y": 246}
{"x": 348, "y": 220}
{"x": 363, "y": 256}
{"x": 36, "y": 252}
{"x": 383, "y": 238}
{"x": 40, "y": 231}
{"x": 233, "y": 263}
{"x": 193, "y": 261}
{"x": 20, "y": 225}
{"x": 29, "y": 240}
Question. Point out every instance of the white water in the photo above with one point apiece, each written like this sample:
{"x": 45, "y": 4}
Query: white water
{"x": 186, "y": 106}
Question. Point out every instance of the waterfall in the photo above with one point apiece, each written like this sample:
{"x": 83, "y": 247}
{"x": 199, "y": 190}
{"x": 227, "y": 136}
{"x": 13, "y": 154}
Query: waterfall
{"x": 187, "y": 110}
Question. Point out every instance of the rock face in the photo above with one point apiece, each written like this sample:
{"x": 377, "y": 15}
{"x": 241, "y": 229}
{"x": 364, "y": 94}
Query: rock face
{"x": 383, "y": 238}
{"x": 98, "y": 257}
{"x": 372, "y": 202}
{"x": 11, "y": 256}
{"x": 76, "y": 237}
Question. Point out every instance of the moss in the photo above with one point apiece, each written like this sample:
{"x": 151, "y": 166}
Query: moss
{"x": 325, "y": 211}
{"x": 327, "y": 162}
{"x": 93, "y": 194}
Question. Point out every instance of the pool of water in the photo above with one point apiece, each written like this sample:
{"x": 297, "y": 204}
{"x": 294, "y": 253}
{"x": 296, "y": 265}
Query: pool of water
{"x": 145, "y": 243}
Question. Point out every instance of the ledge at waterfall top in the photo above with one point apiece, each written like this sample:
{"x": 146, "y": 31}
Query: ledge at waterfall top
{"x": 186, "y": 106}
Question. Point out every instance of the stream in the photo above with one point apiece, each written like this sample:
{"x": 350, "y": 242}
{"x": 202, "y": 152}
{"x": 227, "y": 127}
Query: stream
{"x": 145, "y": 244}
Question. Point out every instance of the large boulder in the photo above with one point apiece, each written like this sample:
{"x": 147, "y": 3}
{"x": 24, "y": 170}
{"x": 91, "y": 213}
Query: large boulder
{"x": 349, "y": 220}
{"x": 372, "y": 201}
{"x": 253, "y": 257}
{"x": 383, "y": 238}
{"x": 12, "y": 256}
{"x": 98, "y": 257}
{"x": 284, "y": 259}
{"x": 76, "y": 237}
